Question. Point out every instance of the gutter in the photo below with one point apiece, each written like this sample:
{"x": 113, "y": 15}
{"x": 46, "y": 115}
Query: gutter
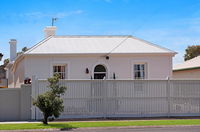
{"x": 184, "y": 69}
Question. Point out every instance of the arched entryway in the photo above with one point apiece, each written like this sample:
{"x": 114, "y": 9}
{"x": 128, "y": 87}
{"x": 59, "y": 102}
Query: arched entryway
{"x": 100, "y": 72}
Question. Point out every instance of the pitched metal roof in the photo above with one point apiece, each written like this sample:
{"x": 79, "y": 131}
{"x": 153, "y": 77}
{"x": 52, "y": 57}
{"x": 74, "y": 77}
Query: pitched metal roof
{"x": 190, "y": 64}
{"x": 95, "y": 45}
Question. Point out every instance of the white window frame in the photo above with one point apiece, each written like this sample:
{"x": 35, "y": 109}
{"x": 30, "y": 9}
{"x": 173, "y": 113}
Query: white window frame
{"x": 60, "y": 63}
{"x": 61, "y": 72}
{"x": 100, "y": 62}
{"x": 106, "y": 73}
{"x": 145, "y": 70}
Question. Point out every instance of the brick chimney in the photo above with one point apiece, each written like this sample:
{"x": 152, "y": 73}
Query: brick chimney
{"x": 49, "y": 31}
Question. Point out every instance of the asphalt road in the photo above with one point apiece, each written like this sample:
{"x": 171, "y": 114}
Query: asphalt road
{"x": 121, "y": 129}
{"x": 165, "y": 129}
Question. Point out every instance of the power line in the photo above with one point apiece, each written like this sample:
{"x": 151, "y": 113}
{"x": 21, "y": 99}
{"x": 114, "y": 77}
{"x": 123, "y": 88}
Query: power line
{"x": 118, "y": 45}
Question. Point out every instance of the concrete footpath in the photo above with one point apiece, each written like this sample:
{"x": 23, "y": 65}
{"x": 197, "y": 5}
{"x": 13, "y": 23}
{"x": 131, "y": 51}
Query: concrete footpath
{"x": 19, "y": 122}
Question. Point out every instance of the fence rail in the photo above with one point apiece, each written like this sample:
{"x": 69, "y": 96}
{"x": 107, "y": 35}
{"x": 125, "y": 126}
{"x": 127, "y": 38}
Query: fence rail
{"x": 125, "y": 98}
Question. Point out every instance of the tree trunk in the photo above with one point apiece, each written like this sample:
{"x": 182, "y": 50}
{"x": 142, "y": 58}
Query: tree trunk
{"x": 45, "y": 120}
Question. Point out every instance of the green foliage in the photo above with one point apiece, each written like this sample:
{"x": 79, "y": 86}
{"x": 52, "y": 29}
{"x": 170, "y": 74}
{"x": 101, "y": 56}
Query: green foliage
{"x": 50, "y": 103}
{"x": 1, "y": 55}
{"x": 191, "y": 52}
{"x": 24, "y": 49}
{"x": 55, "y": 88}
{"x": 5, "y": 62}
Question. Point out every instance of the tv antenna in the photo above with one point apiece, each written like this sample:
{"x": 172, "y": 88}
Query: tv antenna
{"x": 53, "y": 20}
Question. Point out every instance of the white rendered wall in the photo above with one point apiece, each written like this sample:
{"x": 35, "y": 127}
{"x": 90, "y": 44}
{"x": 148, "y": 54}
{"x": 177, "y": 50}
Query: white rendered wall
{"x": 19, "y": 74}
{"x": 187, "y": 74}
{"x": 15, "y": 79}
{"x": 158, "y": 67}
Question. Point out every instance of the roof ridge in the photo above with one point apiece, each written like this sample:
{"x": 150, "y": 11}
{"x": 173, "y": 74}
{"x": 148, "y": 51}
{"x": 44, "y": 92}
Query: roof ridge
{"x": 60, "y": 36}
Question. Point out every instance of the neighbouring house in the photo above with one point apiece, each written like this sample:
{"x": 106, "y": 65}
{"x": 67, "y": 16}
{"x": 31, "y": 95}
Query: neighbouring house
{"x": 189, "y": 69}
{"x": 2, "y": 72}
{"x": 89, "y": 57}
{"x": 3, "y": 80}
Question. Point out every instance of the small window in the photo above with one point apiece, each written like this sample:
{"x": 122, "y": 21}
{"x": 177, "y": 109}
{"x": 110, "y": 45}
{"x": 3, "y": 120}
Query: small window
{"x": 139, "y": 71}
{"x": 60, "y": 70}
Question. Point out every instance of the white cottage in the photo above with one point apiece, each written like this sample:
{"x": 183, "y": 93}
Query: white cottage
{"x": 89, "y": 57}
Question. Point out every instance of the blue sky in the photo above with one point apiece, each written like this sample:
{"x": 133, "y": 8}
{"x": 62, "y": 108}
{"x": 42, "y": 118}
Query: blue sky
{"x": 173, "y": 24}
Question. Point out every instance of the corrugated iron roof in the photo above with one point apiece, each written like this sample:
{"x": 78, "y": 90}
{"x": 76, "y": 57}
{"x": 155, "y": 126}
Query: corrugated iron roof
{"x": 190, "y": 64}
{"x": 96, "y": 45}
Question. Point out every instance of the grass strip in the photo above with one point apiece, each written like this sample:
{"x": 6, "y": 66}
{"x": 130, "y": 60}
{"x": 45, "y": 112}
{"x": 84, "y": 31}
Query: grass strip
{"x": 65, "y": 125}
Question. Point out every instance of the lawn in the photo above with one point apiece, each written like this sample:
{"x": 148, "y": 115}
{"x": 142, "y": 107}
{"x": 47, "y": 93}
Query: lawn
{"x": 64, "y": 125}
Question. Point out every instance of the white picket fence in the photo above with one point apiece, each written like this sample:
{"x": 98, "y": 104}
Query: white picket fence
{"x": 125, "y": 98}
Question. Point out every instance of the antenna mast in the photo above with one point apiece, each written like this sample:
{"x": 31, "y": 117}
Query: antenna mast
{"x": 53, "y": 21}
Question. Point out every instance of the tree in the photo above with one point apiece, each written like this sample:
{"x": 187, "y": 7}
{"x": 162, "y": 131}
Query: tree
{"x": 5, "y": 62}
{"x": 191, "y": 52}
{"x": 50, "y": 103}
{"x": 1, "y": 55}
{"x": 24, "y": 49}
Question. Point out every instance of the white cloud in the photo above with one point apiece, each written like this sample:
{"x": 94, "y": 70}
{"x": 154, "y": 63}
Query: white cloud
{"x": 43, "y": 14}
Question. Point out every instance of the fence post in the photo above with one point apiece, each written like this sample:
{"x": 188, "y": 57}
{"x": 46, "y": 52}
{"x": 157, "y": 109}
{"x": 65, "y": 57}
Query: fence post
{"x": 168, "y": 97}
{"x": 199, "y": 98}
{"x": 33, "y": 96}
{"x": 105, "y": 103}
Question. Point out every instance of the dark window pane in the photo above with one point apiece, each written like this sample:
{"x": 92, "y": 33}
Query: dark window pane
{"x": 59, "y": 68}
{"x": 137, "y": 74}
{"x": 142, "y": 67}
{"x": 60, "y": 75}
{"x": 139, "y": 71}
{"x": 54, "y": 69}
{"x": 135, "y": 67}
{"x": 99, "y": 76}
{"x": 63, "y": 69}
{"x": 99, "y": 68}
{"x": 142, "y": 74}
{"x": 138, "y": 67}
